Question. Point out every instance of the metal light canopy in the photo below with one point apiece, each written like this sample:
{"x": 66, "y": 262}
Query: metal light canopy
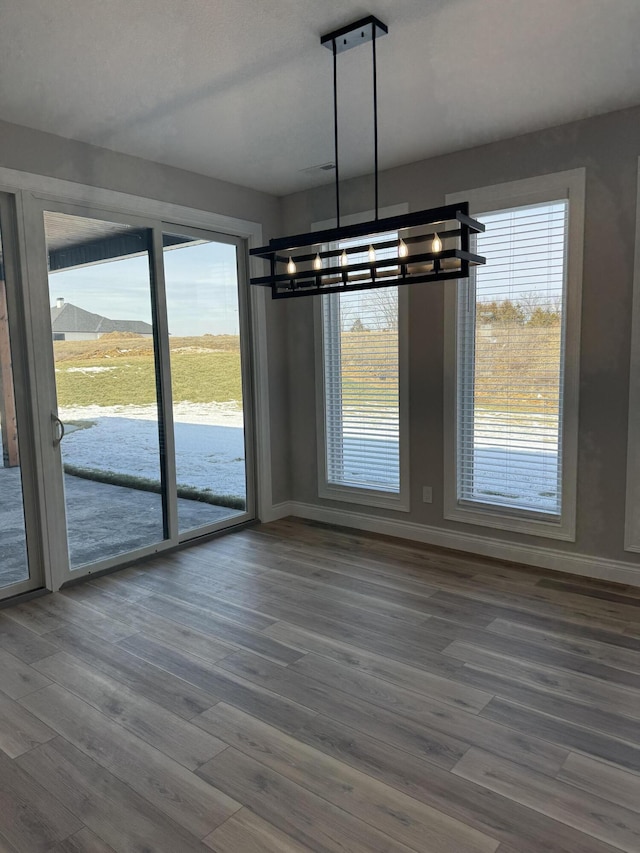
{"x": 428, "y": 245}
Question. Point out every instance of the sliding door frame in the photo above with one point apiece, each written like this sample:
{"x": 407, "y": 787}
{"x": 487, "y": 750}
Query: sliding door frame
{"x": 33, "y": 195}
{"x": 55, "y": 500}
{"x": 22, "y": 390}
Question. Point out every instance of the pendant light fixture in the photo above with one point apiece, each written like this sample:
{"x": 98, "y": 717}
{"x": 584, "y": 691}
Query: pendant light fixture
{"x": 424, "y": 246}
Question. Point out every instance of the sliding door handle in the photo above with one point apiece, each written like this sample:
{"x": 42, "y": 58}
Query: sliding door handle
{"x": 58, "y": 429}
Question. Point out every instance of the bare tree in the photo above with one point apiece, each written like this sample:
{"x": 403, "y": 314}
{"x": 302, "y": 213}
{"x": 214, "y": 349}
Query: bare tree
{"x": 384, "y": 305}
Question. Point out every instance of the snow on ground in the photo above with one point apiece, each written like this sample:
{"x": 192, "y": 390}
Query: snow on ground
{"x": 210, "y": 454}
{"x": 124, "y": 439}
{"x": 516, "y": 458}
{"x": 515, "y": 455}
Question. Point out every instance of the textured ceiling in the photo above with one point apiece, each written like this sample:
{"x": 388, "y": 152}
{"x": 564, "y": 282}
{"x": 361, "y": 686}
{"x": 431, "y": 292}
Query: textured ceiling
{"x": 242, "y": 90}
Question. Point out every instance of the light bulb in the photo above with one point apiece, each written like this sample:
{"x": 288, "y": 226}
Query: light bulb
{"x": 403, "y": 251}
{"x": 317, "y": 263}
{"x": 372, "y": 255}
{"x": 291, "y": 267}
{"x": 436, "y": 246}
{"x": 344, "y": 260}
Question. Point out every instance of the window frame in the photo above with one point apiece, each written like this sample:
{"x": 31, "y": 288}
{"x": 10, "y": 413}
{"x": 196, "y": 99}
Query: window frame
{"x": 355, "y": 494}
{"x": 545, "y": 188}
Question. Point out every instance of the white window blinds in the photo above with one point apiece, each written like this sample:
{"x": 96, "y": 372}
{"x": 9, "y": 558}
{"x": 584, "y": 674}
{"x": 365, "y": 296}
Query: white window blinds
{"x": 510, "y": 362}
{"x": 360, "y": 362}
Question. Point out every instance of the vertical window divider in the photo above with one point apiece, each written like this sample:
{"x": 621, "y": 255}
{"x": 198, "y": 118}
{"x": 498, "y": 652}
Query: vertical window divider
{"x": 249, "y": 370}
{"x": 163, "y": 383}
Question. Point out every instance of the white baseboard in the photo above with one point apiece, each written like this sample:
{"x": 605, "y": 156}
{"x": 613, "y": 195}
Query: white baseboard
{"x": 546, "y": 558}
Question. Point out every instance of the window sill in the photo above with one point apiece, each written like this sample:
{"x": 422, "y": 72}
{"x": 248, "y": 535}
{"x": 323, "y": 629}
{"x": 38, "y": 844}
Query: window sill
{"x": 365, "y": 497}
{"x": 517, "y": 522}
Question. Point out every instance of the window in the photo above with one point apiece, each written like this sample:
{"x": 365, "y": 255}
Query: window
{"x": 510, "y": 334}
{"x": 362, "y": 425}
{"x": 361, "y": 389}
{"x": 514, "y": 402}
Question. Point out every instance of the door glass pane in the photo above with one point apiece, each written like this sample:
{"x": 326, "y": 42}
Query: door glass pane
{"x": 106, "y": 380}
{"x": 204, "y": 336}
{"x": 13, "y": 549}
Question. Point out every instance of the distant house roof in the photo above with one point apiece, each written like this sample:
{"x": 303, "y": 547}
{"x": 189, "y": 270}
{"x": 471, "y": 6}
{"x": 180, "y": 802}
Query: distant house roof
{"x": 70, "y": 318}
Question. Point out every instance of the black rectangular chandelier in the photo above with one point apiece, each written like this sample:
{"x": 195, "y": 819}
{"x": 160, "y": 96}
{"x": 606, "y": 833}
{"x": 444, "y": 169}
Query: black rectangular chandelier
{"x": 424, "y": 246}
{"x": 382, "y": 253}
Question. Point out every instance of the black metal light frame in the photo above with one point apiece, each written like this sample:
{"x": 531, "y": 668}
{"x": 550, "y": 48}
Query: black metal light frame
{"x": 306, "y": 264}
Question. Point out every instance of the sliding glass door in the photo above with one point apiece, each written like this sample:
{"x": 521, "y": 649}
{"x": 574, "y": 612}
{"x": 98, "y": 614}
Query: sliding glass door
{"x": 204, "y": 321}
{"x": 106, "y": 375}
{"x": 151, "y": 442}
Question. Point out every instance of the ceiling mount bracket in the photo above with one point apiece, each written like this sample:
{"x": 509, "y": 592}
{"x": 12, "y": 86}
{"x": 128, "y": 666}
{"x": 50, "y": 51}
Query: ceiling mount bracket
{"x": 360, "y": 32}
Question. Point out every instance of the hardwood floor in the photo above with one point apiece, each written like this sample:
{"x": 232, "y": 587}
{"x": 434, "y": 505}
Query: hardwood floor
{"x": 296, "y": 687}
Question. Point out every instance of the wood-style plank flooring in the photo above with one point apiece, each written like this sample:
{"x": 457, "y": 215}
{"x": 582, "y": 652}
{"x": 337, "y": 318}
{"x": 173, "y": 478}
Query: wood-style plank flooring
{"x": 296, "y": 687}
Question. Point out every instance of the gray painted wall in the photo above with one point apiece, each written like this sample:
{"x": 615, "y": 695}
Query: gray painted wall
{"x": 45, "y": 154}
{"x": 608, "y": 146}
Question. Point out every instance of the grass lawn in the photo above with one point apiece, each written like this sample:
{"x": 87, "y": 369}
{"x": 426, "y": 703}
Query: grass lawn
{"x": 515, "y": 368}
{"x": 119, "y": 370}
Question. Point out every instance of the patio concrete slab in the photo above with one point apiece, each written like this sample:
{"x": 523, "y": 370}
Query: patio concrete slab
{"x": 103, "y": 521}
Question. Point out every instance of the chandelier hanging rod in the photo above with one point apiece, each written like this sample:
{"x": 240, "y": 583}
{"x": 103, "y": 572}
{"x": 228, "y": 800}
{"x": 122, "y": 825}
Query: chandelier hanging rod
{"x": 360, "y": 32}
